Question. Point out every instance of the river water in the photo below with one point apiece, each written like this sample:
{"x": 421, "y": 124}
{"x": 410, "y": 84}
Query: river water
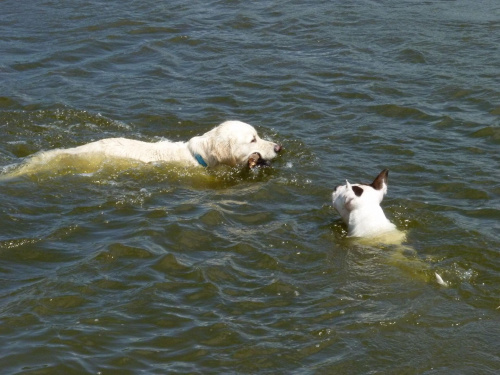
{"x": 159, "y": 269}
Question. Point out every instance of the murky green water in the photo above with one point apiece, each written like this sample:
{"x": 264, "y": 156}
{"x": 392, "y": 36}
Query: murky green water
{"x": 156, "y": 269}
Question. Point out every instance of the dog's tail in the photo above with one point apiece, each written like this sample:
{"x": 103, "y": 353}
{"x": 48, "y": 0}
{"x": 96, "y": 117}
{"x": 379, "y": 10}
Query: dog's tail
{"x": 440, "y": 280}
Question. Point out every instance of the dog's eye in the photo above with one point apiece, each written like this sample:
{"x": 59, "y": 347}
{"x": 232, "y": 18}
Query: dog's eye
{"x": 254, "y": 139}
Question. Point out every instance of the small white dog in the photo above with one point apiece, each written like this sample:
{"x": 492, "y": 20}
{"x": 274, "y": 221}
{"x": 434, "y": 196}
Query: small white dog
{"x": 232, "y": 143}
{"x": 359, "y": 206}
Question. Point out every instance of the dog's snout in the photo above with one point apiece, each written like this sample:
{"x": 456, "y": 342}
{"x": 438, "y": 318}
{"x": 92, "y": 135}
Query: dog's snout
{"x": 277, "y": 148}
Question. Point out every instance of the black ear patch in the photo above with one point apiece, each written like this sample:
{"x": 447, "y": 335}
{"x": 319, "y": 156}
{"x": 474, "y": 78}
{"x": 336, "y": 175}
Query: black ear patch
{"x": 357, "y": 190}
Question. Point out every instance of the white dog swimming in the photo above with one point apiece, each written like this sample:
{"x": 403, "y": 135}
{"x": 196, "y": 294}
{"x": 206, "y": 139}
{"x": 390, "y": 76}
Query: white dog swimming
{"x": 359, "y": 207}
{"x": 232, "y": 143}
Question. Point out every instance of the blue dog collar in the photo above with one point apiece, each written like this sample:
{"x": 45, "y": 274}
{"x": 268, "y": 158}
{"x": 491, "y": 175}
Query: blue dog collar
{"x": 200, "y": 160}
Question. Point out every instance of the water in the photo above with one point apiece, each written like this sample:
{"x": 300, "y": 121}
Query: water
{"x": 158, "y": 269}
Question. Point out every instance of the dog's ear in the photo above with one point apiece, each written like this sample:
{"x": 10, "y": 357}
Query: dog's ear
{"x": 203, "y": 145}
{"x": 381, "y": 180}
{"x": 357, "y": 190}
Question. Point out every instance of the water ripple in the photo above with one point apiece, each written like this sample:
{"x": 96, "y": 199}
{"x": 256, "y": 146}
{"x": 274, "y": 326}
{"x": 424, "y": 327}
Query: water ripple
{"x": 129, "y": 268}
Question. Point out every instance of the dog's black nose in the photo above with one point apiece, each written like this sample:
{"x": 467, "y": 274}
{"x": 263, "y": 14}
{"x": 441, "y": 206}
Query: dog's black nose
{"x": 277, "y": 148}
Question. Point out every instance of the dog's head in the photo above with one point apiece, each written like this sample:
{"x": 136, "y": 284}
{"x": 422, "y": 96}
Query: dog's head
{"x": 347, "y": 198}
{"x": 235, "y": 143}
